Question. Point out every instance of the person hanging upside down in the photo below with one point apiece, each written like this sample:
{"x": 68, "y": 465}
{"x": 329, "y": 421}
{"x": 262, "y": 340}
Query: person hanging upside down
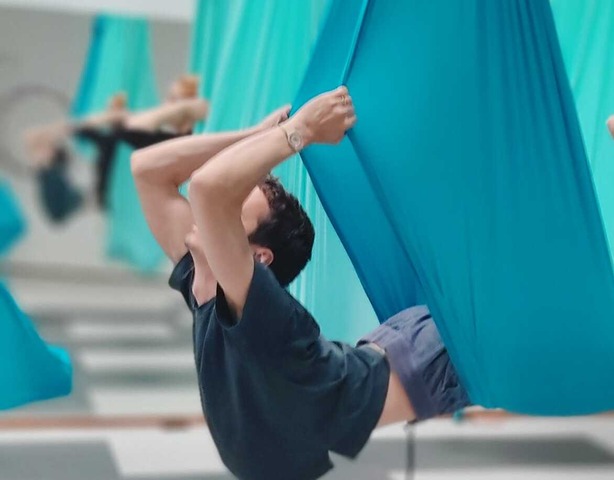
{"x": 48, "y": 150}
{"x": 277, "y": 395}
{"x": 48, "y": 146}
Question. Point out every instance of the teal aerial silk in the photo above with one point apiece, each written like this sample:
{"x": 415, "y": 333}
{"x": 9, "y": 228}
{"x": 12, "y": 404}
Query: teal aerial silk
{"x": 251, "y": 56}
{"x": 207, "y": 47}
{"x": 586, "y": 34}
{"x": 12, "y": 221}
{"x": 29, "y": 369}
{"x": 120, "y": 60}
{"x": 466, "y": 182}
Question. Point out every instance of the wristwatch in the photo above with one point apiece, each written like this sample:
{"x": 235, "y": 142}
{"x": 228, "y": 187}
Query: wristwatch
{"x": 295, "y": 139}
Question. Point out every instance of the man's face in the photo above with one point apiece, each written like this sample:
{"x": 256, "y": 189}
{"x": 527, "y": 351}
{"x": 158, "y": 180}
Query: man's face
{"x": 255, "y": 210}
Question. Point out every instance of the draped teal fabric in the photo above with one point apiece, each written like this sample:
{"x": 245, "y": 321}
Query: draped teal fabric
{"x": 251, "y": 55}
{"x": 119, "y": 59}
{"x": 30, "y": 370}
{"x": 586, "y": 34}
{"x": 12, "y": 221}
{"x": 468, "y": 166}
{"x": 208, "y": 28}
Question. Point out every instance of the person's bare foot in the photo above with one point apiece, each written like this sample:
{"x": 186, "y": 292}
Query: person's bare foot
{"x": 185, "y": 113}
{"x": 199, "y": 108}
{"x": 119, "y": 101}
{"x": 610, "y": 124}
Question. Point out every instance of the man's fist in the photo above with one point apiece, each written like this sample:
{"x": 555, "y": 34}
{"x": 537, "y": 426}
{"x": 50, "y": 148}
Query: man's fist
{"x": 325, "y": 118}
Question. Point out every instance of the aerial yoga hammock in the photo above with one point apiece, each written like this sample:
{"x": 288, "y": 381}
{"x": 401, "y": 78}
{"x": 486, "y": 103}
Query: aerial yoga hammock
{"x": 465, "y": 185}
{"x": 29, "y": 369}
{"x": 227, "y": 48}
{"x": 12, "y": 222}
{"x": 119, "y": 59}
{"x": 586, "y": 35}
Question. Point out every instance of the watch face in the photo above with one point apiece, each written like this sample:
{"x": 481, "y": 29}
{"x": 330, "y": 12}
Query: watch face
{"x": 296, "y": 141}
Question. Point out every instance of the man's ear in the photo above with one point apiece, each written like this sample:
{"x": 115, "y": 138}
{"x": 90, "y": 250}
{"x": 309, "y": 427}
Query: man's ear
{"x": 263, "y": 255}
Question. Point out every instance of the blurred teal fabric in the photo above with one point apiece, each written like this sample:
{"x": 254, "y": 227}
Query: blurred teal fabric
{"x": 30, "y": 370}
{"x": 12, "y": 220}
{"x": 252, "y": 55}
{"x": 120, "y": 60}
{"x": 469, "y": 165}
{"x": 586, "y": 34}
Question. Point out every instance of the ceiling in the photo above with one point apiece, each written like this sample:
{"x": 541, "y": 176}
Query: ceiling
{"x": 178, "y": 10}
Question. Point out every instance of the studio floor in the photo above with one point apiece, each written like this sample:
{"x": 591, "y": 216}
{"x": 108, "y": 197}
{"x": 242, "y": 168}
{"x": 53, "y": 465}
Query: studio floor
{"x": 518, "y": 449}
{"x": 133, "y": 364}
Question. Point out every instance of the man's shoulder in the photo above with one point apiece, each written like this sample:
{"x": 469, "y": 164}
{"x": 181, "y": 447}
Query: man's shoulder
{"x": 268, "y": 316}
{"x": 265, "y": 287}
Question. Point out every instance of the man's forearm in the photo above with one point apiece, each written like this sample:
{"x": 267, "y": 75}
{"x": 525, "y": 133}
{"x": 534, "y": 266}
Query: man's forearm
{"x": 174, "y": 161}
{"x": 233, "y": 174}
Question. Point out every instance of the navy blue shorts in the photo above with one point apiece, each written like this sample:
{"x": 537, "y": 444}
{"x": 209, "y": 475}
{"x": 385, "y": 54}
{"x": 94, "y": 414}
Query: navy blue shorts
{"x": 417, "y": 355}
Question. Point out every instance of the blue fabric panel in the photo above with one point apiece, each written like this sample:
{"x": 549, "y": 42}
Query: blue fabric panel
{"x": 29, "y": 369}
{"x": 12, "y": 221}
{"x": 120, "y": 59}
{"x": 468, "y": 150}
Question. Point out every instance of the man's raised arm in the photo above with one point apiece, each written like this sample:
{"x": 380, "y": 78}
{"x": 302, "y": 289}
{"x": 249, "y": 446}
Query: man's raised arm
{"x": 218, "y": 190}
{"x": 161, "y": 169}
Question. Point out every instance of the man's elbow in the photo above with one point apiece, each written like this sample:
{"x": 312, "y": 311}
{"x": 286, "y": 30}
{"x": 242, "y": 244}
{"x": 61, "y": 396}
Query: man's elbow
{"x": 206, "y": 186}
{"x": 201, "y": 185}
{"x": 138, "y": 164}
{"x": 145, "y": 164}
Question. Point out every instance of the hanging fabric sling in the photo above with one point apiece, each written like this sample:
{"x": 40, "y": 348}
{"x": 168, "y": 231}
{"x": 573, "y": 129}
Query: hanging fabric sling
{"x": 586, "y": 34}
{"x": 29, "y": 369}
{"x": 466, "y": 178}
{"x": 119, "y": 60}
{"x": 12, "y": 221}
{"x": 246, "y": 75}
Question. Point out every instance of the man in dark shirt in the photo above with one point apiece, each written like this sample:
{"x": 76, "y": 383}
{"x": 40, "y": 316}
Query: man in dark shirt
{"x": 278, "y": 397}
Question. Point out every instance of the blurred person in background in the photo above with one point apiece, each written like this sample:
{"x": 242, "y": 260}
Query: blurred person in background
{"x": 48, "y": 147}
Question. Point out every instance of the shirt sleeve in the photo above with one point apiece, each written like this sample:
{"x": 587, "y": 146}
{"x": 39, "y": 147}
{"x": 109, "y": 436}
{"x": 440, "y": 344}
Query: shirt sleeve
{"x": 266, "y": 315}
{"x": 362, "y": 402}
{"x": 182, "y": 277}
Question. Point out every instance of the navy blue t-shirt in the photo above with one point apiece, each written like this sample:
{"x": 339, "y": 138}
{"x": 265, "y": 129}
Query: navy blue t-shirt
{"x": 278, "y": 396}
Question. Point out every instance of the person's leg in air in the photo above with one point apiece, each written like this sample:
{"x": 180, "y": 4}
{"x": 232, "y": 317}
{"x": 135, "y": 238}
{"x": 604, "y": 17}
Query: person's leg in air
{"x": 48, "y": 150}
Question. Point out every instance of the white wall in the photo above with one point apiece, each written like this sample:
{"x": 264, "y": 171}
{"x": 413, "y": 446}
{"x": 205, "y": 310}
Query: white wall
{"x": 181, "y": 10}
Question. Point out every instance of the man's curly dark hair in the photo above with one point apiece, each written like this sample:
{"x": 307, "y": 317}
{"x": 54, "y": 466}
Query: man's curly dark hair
{"x": 287, "y": 231}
